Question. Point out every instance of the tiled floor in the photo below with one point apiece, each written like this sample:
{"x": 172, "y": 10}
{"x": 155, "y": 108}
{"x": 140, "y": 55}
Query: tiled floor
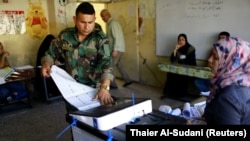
{"x": 44, "y": 122}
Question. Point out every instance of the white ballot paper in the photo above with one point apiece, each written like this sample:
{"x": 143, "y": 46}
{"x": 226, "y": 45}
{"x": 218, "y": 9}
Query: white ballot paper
{"x": 77, "y": 94}
{"x": 195, "y": 111}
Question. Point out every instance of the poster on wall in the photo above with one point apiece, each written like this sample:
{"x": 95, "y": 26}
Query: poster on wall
{"x": 12, "y": 22}
{"x": 36, "y": 21}
{"x": 61, "y": 13}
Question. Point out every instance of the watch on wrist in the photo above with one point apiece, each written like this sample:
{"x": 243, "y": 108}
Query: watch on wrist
{"x": 106, "y": 87}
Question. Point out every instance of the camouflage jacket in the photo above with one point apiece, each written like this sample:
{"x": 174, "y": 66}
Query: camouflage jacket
{"x": 88, "y": 61}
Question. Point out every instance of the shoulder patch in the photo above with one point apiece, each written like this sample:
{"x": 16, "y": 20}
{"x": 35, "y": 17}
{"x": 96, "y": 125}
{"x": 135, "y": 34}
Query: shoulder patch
{"x": 106, "y": 49}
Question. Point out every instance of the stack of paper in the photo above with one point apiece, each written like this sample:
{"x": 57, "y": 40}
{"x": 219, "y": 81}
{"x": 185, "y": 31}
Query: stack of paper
{"x": 4, "y": 73}
{"x": 24, "y": 67}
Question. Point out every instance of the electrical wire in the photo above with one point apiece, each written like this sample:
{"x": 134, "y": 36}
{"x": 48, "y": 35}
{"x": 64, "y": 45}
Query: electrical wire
{"x": 147, "y": 66}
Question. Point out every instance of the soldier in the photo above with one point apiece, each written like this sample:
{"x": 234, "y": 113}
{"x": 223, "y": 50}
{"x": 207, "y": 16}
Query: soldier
{"x": 85, "y": 51}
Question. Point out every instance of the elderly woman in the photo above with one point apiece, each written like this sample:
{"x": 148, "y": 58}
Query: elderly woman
{"x": 229, "y": 101}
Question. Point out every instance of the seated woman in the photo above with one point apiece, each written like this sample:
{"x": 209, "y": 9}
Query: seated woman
{"x": 229, "y": 101}
{"x": 11, "y": 90}
{"x": 184, "y": 53}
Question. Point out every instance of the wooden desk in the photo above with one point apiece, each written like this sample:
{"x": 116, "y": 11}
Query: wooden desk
{"x": 193, "y": 71}
{"x": 21, "y": 75}
{"x": 24, "y": 75}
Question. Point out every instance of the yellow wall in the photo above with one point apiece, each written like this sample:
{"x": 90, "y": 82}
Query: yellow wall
{"x": 23, "y": 48}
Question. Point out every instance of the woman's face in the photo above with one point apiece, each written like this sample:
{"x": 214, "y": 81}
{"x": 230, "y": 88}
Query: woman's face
{"x": 214, "y": 59}
{"x": 181, "y": 41}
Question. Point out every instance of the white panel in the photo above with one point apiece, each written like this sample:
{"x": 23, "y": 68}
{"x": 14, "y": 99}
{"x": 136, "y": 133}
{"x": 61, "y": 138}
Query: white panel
{"x": 201, "y": 20}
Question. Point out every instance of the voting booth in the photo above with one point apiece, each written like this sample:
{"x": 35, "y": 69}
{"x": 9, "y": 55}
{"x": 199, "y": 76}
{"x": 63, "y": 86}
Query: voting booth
{"x": 94, "y": 121}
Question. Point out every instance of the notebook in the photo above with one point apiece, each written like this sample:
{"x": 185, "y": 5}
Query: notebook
{"x": 5, "y": 73}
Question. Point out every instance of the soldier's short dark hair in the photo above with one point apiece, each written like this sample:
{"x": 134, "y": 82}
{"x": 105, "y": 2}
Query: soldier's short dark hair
{"x": 85, "y": 8}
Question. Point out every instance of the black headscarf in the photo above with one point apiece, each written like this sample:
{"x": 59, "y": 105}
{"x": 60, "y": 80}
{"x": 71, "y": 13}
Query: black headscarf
{"x": 183, "y": 49}
{"x": 188, "y": 50}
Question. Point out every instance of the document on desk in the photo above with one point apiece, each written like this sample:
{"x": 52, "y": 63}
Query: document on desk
{"x": 24, "y": 67}
{"x": 79, "y": 95}
{"x": 4, "y": 73}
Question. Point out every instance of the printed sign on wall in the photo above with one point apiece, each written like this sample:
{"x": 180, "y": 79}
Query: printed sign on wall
{"x": 12, "y": 22}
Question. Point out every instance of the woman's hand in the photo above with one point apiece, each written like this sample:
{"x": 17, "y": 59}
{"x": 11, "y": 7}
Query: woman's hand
{"x": 176, "y": 48}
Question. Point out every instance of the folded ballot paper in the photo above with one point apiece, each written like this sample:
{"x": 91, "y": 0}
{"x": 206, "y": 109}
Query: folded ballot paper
{"x": 79, "y": 95}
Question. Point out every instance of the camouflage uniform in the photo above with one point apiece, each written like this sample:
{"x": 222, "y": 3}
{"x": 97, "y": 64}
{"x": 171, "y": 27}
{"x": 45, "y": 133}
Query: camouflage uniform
{"x": 88, "y": 61}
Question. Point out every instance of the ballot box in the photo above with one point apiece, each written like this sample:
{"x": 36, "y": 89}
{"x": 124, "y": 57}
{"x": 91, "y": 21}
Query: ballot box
{"x": 84, "y": 131}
